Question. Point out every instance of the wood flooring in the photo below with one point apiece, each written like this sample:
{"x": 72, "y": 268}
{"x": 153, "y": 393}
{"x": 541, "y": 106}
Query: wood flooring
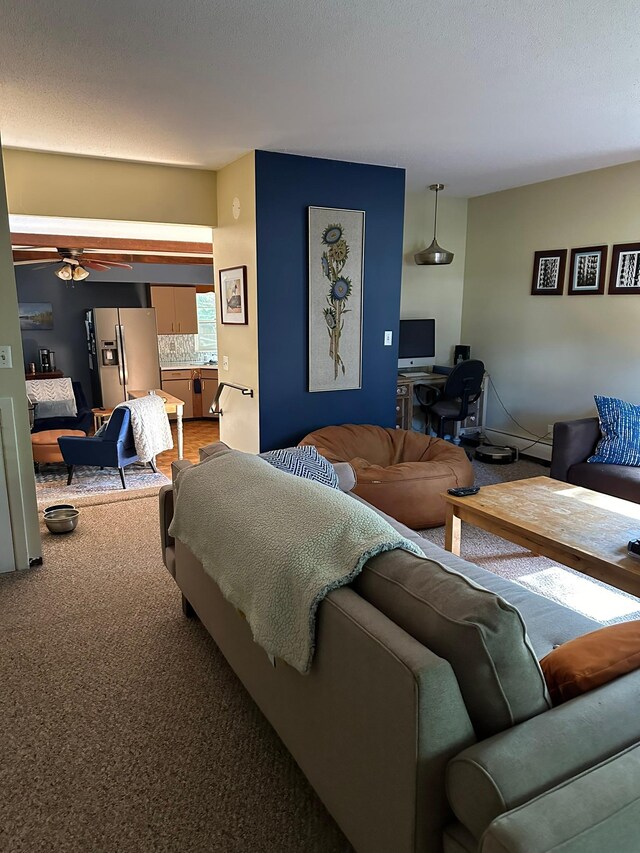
{"x": 197, "y": 433}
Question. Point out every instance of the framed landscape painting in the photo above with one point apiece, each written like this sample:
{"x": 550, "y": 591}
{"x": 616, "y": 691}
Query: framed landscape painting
{"x": 336, "y": 277}
{"x": 625, "y": 268}
{"x": 548, "y": 272}
{"x": 233, "y": 296}
{"x": 587, "y": 270}
{"x": 35, "y": 316}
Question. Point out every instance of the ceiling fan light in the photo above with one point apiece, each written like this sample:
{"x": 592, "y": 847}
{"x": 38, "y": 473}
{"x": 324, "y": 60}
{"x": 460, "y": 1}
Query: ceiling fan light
{"x": 65, "y": 272}
{"x": 80, "y": 273}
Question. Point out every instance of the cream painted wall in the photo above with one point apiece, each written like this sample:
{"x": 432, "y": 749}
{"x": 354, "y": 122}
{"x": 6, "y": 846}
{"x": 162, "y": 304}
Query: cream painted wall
{"x": 548, "y": 355}
{"x": 14, "y": 418}
{"x": 93, "y": 188}
{"x": 435, "y": 291}
{"x": 235, "y": 245}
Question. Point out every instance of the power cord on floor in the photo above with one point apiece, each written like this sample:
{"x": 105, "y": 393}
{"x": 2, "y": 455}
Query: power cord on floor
{"x": 538, "y": 438}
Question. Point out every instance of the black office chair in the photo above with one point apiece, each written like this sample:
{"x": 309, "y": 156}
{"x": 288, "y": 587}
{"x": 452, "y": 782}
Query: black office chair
{"x": 457, "y": 399}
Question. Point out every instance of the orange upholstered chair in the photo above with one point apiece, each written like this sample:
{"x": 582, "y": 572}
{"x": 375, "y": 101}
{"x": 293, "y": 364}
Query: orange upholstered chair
{"x": 401, "y": 472}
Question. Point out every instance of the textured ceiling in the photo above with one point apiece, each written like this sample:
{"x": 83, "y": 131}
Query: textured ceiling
{"x": 479, "y": 94}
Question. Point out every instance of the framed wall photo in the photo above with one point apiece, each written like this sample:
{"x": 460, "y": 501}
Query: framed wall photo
{"x": 625, "y": 268}
{"x": 587, "y": 271}
{"x": 35, "y": 316}
{"x": 336, "y": 277}
{"x": 548, "y": 272}
{"x": 233, "y": 296}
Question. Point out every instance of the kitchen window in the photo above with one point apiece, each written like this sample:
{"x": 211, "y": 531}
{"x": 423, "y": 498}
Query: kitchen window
{"x": 206, "y": 307}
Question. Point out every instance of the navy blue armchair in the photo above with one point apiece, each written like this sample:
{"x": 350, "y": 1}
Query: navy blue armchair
{"x": 83, "y": 419}
{"x": 113, "y": 448}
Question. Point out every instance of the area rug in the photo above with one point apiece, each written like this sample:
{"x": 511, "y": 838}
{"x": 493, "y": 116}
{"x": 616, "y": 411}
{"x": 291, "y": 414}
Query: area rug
{"x": 124, "y": 729}
{"x": 579, "y": 592}
{"x": 51, "y": 482}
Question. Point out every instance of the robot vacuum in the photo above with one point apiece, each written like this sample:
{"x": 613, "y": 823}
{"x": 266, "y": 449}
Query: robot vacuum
{"x": 495, "y": 455}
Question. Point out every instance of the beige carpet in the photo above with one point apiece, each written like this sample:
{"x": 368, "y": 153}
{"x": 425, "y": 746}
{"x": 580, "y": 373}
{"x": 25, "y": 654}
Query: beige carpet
{"x": 123, "y": 728}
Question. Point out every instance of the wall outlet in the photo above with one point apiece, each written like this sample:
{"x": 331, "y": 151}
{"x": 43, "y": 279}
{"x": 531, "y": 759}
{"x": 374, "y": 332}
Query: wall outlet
{"x": 225, "y": 362}
{"x": 388, "y": 339}
{"x": 5, "y": 356}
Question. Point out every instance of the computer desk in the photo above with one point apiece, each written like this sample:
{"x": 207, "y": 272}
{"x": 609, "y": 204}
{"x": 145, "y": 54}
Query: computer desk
{"x": 405, "y": 393}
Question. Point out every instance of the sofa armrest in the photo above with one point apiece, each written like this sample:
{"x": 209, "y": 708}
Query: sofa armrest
{"x": 573, "y": 442}
{"x": 511, "y": 768}
{"x": 597, "y": 810}
{"x": 166, "y": 514}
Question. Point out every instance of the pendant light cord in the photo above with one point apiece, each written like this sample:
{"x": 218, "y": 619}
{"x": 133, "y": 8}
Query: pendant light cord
{"x": 435, "y": 216}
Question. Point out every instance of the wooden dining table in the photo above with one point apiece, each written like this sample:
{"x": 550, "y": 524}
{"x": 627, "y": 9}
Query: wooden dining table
{"x": 172, "y": 406}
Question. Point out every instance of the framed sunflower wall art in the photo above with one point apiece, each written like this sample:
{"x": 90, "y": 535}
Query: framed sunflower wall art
{"x": 336, "y": 273}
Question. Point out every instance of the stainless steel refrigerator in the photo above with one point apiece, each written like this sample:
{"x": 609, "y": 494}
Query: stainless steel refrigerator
{"x": 123, "y": 353}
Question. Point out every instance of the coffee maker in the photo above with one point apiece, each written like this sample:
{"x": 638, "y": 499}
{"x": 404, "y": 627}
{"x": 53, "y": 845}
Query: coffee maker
{"x": 47, "y": 360}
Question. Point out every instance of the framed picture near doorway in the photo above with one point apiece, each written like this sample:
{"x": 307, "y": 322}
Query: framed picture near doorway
{"x": 587, "y": 271}
{"x": 233, "y": 296}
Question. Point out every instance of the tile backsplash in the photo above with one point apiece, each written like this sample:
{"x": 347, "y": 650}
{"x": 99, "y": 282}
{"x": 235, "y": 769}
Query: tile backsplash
{"x": 182, "y": 349}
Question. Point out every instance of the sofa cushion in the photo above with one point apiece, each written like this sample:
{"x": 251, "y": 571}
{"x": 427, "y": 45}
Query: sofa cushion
{"x": 548, "y": 623}
{"x": 589, "y": 661}
{"x": 481, "y": 635}
{"x": 620, "y": 428}
{"x": 619, "y": 481}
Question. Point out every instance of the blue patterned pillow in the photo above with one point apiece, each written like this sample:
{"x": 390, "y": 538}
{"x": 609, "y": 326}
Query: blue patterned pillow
{"x": 304, "y": 462}
{"x": 620, "y": 428}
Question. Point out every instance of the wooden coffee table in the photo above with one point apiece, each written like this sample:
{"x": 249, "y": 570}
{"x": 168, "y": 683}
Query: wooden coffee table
{"x": 577, "y": 527}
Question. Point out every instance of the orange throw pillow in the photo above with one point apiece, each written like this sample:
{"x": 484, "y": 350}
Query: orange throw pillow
{"x": 587, "y": 662}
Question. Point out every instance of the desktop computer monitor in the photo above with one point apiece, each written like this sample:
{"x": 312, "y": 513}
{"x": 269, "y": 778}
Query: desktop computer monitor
{"x": 417, "y": 343}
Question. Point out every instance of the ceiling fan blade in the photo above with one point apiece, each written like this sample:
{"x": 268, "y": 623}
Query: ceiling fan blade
{"x": 95, "y": 265}
{"x": 117, "y": 264}
{"x": 44, "y": 262}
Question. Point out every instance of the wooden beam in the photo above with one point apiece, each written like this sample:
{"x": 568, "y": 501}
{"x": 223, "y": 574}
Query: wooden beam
{"x": 117, "y": 243}
{"x": 120, "y": 257}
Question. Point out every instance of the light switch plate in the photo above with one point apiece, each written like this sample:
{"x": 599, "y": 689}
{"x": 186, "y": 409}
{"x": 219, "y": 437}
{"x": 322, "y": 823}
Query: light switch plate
{"x": 5, "y": 356}
{"x": 225, "y": 362}
{"x": 388, "y": 339}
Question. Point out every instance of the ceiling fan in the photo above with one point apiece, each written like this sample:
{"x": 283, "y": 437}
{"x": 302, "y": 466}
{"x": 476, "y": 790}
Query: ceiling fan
{"x": 73, "y": 266}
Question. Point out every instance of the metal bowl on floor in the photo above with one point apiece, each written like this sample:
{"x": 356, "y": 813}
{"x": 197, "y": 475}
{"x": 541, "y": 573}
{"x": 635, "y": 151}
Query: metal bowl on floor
{"x": 61, "y": 520}
{"x": 53, "y": 507}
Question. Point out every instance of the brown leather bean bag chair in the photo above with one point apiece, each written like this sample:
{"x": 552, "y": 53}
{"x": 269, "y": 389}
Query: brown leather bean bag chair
{"x": 403, "y": 473}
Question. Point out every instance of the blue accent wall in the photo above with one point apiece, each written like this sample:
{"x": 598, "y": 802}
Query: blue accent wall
{"x": 286, "y": 185}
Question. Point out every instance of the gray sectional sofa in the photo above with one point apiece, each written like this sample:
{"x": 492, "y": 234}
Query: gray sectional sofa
{"x": 424, "y": 724}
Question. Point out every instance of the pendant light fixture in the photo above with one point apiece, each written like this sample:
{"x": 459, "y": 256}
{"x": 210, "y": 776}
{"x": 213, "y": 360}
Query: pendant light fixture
{"x": 434, "y": 254}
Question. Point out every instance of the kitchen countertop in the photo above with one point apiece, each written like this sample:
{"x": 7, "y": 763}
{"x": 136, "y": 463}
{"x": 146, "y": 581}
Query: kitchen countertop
{"x": 188, "y": 366}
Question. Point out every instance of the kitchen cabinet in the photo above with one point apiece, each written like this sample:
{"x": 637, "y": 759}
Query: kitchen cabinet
{"x": 209, "y": 382}
{"x": 176, "y": 311}
{"x": 180, "y": 385}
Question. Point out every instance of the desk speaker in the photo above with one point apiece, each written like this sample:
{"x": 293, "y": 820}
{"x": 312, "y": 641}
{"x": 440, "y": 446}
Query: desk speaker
{"x": 461, "y": 353}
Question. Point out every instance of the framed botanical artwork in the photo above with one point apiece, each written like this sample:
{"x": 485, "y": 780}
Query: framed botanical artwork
{"x": 625, "y": 268}
{"x": 233, "y": 296}
{"x": 35, "y": 316}
{"x": 336, "y": 277}
{"x": 587, "y": 271}
{"x": 548, "y": 273}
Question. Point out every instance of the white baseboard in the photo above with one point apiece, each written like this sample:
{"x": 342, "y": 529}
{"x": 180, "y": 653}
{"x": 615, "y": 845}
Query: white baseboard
{"x": 540, "y": 450}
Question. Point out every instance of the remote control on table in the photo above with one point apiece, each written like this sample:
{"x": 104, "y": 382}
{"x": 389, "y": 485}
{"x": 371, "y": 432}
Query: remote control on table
{"x": 464, "y": 492}
{"x": 633, "y": 548}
